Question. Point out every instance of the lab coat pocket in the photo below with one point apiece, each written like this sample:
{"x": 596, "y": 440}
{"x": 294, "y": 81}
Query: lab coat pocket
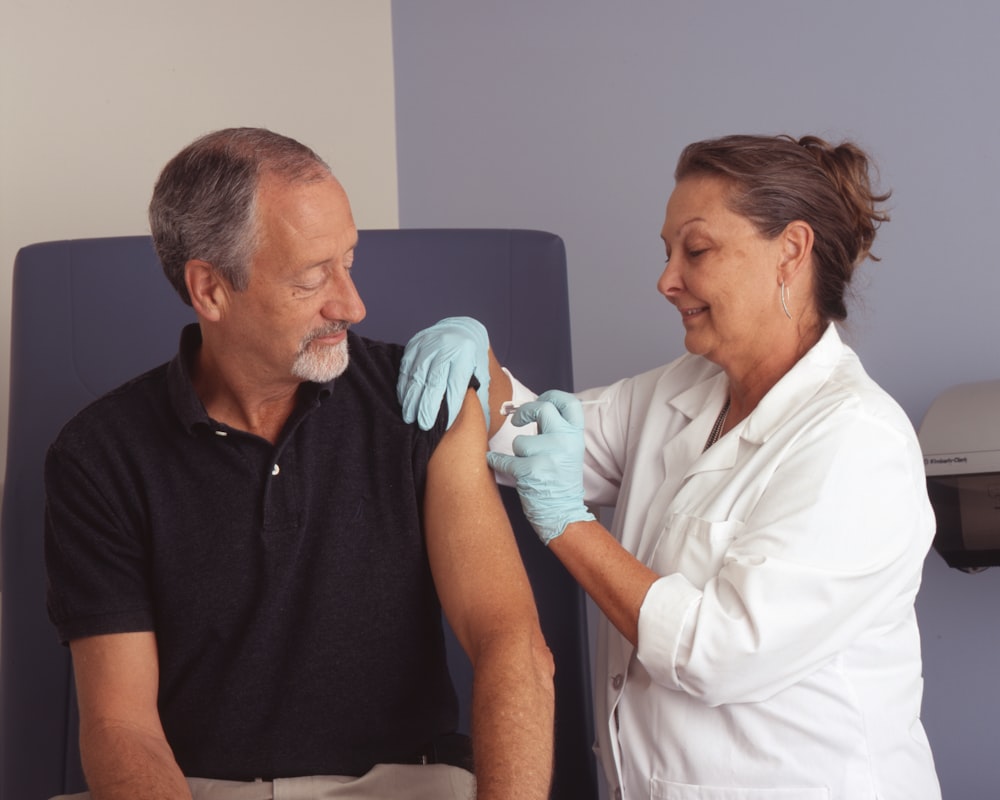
{"x": 694, "y": 547}
{"x": 669, "y": 790}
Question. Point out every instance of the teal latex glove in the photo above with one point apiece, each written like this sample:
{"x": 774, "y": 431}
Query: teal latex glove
{"x": 548, "y": 468}
{"x": 438, "y": 364}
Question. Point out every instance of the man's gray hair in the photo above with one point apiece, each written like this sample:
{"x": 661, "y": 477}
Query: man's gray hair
{"x": 204, "y": 204}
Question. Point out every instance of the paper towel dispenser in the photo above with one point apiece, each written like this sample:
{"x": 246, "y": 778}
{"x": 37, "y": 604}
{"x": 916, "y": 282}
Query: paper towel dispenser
{"x": 960, "y": 439}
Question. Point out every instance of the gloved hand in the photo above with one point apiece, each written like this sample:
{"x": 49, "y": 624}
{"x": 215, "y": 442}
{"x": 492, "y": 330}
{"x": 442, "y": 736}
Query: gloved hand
{"x": 548, "y": 468}
{"x": 437, "y": 364}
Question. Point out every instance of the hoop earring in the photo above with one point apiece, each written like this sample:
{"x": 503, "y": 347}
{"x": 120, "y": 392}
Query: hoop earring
{"x": 784, "y": 307}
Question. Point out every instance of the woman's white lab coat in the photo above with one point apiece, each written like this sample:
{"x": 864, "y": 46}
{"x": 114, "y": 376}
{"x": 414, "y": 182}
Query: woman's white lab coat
{"x": 778, "y": 655}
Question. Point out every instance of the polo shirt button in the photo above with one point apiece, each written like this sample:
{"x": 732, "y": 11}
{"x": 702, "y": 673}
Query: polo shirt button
{"x": 617, "y": 681}
{"x": 275, "y": 470}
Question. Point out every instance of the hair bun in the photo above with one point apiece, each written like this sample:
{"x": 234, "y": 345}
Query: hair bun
{"x": 849, "y": 168}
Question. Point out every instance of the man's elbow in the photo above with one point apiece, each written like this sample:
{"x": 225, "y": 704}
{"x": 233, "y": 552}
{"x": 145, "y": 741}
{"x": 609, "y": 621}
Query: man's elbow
{"x": 523, "y": 645}
{"x": 524, "y": 649}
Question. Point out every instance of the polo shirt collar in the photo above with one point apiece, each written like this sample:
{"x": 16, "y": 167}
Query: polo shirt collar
{"x": 184, "y": 399}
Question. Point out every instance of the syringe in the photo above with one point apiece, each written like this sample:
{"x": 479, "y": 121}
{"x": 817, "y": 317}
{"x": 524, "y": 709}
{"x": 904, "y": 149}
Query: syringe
{"x": 509, "y": 407}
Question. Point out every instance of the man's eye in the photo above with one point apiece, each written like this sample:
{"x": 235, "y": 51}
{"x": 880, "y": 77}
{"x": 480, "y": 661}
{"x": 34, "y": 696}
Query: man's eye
{"x": 696, "y": 253}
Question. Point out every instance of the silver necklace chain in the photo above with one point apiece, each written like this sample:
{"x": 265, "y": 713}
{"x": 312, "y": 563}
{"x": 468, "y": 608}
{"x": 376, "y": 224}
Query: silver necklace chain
{"x": 713, "y": 437}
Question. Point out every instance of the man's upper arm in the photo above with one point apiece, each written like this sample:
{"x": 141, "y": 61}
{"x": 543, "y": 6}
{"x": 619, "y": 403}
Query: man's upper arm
{"x": 473, "y": 554}
{"x": 117, "y": 680}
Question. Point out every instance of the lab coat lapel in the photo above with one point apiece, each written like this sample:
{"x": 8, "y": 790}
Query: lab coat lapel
{"x": 676, "y": 451}
{"x": 795, "y": 389}
{"x": 702, "y": 404}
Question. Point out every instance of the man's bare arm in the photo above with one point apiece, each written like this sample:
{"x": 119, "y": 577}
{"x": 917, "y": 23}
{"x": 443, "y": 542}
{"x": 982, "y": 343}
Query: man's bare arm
{"x": 122, "y": 745}
{"x": 488, "y": 602}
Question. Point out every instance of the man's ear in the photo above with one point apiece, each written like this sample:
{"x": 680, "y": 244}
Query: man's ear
{"x": 796, "y": 250}
{"x": 209, "y": 291}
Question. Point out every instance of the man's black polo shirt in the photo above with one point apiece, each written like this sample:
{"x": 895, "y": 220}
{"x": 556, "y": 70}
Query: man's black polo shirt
{"x": 298, "y": 628}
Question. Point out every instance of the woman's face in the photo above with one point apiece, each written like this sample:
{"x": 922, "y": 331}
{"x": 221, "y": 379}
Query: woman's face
{"x": 722, "y": 276}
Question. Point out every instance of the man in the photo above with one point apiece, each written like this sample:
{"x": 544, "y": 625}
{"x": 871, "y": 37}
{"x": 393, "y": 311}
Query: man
{"x": 247, "y": 547}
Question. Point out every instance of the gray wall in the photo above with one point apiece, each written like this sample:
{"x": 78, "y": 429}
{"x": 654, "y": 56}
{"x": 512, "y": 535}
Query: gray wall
{"x": 568, "y": 115}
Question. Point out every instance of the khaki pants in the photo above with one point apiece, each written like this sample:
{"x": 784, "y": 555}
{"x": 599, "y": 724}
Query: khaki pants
{"x": 383, "y": 782}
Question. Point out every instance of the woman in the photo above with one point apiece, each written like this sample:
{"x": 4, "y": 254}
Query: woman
{"x": 771, "y": 514}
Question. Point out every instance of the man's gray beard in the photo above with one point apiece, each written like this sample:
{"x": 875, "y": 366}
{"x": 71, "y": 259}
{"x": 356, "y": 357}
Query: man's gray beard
{"x": 321, "y": 363}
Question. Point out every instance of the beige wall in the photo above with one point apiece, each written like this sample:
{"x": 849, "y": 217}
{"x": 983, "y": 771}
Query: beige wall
{"x": 96, "y": 96}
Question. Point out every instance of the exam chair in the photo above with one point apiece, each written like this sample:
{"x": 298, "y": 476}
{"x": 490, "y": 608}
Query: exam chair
{"x": 90, "y": 313}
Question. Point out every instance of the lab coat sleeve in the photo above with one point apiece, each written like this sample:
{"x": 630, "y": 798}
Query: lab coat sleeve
{"x": 605, "y": 442}
{"x": 830, "y": 551}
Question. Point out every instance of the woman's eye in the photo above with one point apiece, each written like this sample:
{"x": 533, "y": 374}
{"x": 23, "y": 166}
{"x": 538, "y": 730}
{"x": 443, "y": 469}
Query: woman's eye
{"x": 690, "y": 254}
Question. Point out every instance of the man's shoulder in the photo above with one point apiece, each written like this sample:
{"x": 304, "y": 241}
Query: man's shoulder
{"x": 126, "y": 406}
{"x": 374, "y": 354}
{"x": 373, "y": 374}
{"x": 374, "y": 364}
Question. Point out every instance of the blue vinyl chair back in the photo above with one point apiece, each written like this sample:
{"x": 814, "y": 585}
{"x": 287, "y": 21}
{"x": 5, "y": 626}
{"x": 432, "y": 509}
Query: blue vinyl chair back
{"x": 89, "y": 314}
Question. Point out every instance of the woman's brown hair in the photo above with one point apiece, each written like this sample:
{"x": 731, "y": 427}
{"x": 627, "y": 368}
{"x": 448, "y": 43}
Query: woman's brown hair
{"x": 778, "y": 179}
